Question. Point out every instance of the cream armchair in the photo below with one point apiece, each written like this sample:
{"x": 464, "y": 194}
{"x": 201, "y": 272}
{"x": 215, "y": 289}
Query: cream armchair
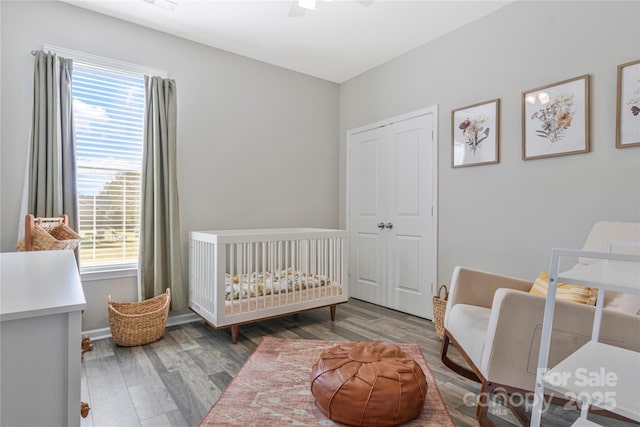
{"x": 496, "y": 324}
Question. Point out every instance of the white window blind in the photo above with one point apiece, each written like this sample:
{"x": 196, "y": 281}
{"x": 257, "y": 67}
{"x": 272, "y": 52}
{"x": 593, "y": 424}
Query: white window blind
{"x": 108, "y": 109}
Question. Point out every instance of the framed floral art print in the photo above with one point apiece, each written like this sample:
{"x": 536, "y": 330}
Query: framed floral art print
{"x": 555, "y": 119}
{"x": 628, "y": 105}
{"x": 475, "y": 134}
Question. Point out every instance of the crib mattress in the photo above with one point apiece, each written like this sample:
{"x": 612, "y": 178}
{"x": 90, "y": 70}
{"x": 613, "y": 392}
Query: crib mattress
{"x": 241, "y": 286}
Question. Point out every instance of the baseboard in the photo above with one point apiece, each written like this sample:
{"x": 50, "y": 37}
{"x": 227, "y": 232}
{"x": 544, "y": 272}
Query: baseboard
{"x": 102, "y": 333}
{"x": 98, "y": 334}
{"x": 182, "y": 318}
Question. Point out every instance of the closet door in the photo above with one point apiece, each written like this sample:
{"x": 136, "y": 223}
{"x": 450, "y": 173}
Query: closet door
{"x": 367, "y": 237}
{"x": 411, "y": 247}
{"x": 391, "y": 222}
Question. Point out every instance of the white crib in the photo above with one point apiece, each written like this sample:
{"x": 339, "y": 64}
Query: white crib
{"x": 242, "y": 276}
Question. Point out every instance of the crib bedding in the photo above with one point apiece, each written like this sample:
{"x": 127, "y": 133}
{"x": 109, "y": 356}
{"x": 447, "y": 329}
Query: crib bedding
{"x": 257, "y": 284}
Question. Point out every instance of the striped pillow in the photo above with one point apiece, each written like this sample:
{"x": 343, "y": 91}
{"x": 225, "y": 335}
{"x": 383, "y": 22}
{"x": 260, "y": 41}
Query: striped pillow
{"x": 567, "y": 292}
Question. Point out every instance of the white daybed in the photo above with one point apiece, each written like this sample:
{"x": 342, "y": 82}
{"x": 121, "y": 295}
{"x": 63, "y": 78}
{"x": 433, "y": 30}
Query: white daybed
{"x": 242, "y": 276}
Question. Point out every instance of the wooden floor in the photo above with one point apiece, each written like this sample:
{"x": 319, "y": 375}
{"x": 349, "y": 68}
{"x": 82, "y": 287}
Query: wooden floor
{"x": 174, "y": 381}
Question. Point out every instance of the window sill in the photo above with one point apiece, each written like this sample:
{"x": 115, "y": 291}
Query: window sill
{"x": 107, "y": 273}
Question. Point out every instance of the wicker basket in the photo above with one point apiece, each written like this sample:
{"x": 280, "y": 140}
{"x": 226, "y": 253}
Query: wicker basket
{"x": 439, "y": 308}
{"x": 48, "y": 234}
{"x": 137, "y": 323}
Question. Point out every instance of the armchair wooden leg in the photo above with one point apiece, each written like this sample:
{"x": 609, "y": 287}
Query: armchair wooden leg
{"x": 465, "y": 372}
{"x": 484, "y": 400}
{"x": 519, "y": 413}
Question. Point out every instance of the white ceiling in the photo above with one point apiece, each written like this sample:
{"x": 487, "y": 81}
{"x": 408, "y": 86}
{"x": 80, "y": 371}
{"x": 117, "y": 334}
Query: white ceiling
{"x": 336, "y": 42}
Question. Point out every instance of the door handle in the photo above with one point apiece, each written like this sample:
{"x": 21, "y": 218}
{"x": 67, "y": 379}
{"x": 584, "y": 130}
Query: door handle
{"x": 389, "y": 225}
{"x": 381, "y": 225}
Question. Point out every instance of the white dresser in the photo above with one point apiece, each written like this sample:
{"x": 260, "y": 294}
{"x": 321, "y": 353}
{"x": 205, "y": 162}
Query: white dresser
{"x": 41, "y": 302}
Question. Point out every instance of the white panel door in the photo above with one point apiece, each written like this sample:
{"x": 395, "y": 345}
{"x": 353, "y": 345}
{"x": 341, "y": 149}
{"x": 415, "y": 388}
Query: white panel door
{"x": 391, "y": 222}
{"x": 367, "y": 240}
{"x": 411, "y": 248}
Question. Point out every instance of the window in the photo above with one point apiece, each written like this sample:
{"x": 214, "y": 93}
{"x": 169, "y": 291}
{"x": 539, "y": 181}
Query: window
{"x": 108, "y": 114}
{"x": 108, "y": 109}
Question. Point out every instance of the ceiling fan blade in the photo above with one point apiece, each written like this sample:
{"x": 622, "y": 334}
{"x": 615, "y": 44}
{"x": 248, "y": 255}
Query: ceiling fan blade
{"x": 296, "y": 11}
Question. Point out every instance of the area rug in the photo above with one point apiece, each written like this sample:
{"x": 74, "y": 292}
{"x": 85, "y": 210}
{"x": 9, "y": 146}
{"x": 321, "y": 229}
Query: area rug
{"x": 273, "y": 389}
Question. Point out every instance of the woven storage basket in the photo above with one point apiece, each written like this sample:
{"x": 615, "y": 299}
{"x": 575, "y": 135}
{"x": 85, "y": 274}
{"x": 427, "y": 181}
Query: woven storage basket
{"x": 50, "y": 234}
{"x": 137, "y": 323}
{"x": 439, "y": 308}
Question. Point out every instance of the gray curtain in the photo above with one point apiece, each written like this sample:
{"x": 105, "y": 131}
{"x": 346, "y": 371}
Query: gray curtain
{"x": 52, "y": 157}
{"x": 160, "y": 244}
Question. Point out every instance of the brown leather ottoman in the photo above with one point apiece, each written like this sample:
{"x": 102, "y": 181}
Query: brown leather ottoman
{"x": 368, "y": 384}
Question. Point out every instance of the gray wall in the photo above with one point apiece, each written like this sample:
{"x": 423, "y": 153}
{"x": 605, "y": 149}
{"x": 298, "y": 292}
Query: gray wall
{"x": 506, "y": 217}
{"x": 257, "y": 144}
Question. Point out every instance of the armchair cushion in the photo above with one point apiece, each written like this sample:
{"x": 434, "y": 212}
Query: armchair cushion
{"x": 469, "y": 324}
{"x": 566, "y": 291}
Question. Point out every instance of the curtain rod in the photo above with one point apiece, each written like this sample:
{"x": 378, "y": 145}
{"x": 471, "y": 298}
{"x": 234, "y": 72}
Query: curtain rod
{"x": 113, "y": 64}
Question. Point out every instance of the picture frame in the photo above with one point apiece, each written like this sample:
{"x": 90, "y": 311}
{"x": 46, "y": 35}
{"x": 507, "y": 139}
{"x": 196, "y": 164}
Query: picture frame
{"x": 475, "y": 134}
{"x": 628, "y": 105}
{"x": 555, "y": 119}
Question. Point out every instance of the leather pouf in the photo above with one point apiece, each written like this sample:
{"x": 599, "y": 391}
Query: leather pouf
{"x": 368, "y": 384}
